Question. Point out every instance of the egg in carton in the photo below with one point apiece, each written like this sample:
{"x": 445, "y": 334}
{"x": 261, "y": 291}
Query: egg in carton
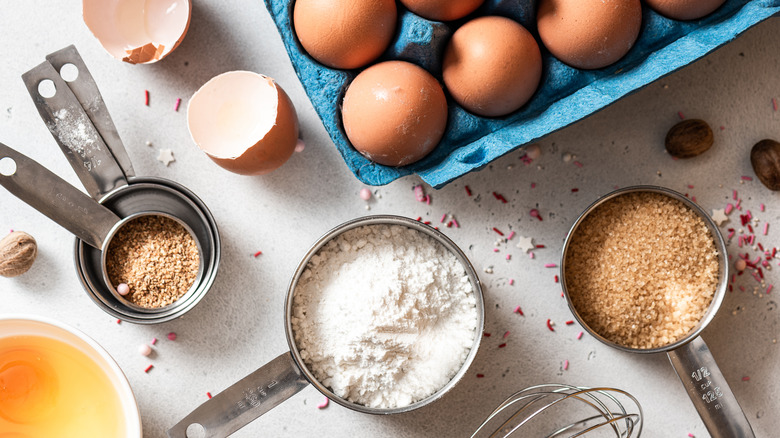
{"x": 565, "y": 94}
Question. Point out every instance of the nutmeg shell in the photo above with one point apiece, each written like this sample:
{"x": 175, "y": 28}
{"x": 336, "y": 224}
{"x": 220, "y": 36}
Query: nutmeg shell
{"x": 689, "y": 138}
{"x": 17, "y": 253}
{"x": 765, "y": 159}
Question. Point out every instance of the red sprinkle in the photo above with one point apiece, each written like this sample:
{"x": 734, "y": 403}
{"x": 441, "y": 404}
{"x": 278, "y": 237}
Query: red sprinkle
{"x": 745, "y": 379}
{"x": 549, "y": 325}
{"x": 119, "y": 321}
{"x": 498, "y": 231}
{"x": 506, "y": 334}
{"x": 556, "y": 278}
{"x": 500, "y": 197}
{"x": 146, "y": 100}
{"x": 257, "y": 254}
{"x": 519, "y": 311}
{"x": 208, "y": 394}
{"x": 148, "y": 368}
{"x": 747, "y": 178}
{"x": 502, "y": 345}
{"x": 171, "y": 336}
{"x": 535, "y": 213}
{"x": 570, "y": 322}
{"x": 479, "y": 376}
{"x": 575, "y": 190}
{"x": 486, "y": 334}
{"x": 680, "y": 115}
{"x": 468, "y": 190}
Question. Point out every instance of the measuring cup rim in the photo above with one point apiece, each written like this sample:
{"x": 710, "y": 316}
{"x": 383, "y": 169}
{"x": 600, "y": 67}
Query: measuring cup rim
{"x": 104, "y": 255}
{"x": 438, "y": 237}
{"x": 206, "y": 277}
{"x": 720, "y": 246}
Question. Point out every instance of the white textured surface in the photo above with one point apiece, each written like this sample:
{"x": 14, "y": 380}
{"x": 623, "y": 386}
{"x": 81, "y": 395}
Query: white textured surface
{"x": 239, "y": 324}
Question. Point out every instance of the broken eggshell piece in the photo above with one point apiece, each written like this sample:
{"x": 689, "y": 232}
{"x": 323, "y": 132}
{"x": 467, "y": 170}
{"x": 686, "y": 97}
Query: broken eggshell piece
{"x": 138, "y": 31}
{"x": 243, "y": 121}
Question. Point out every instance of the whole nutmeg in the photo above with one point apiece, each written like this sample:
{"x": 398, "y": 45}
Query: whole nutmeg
{"x": 689, "y": 138}
{"x": 765, "y": 158}
{"x": 17, "y": 253}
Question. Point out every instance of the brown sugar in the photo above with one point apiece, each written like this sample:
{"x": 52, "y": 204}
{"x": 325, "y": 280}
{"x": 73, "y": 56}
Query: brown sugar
{"x": 642, "y": 269}
{"x": 156, "y": 257}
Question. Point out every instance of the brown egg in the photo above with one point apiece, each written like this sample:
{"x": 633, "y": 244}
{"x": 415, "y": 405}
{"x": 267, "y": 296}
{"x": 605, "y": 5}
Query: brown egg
{"x": 394, "y": 113}
{"x": 344, "y": 33}
{"x": 243, "y": 121}
{"x": 442, "y": 10}
{"x": 492, "y": 66}
{"x": 684, "y": 9}
{"x": 589, "y": 34}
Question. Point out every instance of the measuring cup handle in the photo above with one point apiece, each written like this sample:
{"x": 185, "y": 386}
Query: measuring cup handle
{"x": 709, "y": 392}
{"x": 54, "y": 197}
{"x": 242, "y": 402}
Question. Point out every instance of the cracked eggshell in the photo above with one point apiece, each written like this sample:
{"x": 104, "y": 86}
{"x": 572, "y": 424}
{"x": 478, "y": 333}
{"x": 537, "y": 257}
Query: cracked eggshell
{"x": 138, "y": 31}
{"x": 243, "y": 121}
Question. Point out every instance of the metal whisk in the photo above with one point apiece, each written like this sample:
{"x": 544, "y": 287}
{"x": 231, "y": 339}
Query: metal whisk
{"x": 555, "y": 406}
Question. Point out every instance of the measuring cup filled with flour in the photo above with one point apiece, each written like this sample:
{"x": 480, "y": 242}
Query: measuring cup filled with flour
{"x": 383, "y": 315}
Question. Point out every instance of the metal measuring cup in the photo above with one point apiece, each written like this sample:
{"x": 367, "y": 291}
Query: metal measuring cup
{"x": 286, "y": 375}
{"x": 692, "y": 360}
{"x": 77, "y": 117}
{"x": 95, "y": 225}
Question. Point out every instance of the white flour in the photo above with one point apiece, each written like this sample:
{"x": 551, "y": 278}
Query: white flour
{"x": 384, "y": 316}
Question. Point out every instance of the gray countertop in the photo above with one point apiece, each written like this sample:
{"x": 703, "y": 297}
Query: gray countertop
{"x": 239, "y": 325}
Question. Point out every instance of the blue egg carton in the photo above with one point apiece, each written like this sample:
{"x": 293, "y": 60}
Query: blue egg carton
{"x": 565, "y": 94}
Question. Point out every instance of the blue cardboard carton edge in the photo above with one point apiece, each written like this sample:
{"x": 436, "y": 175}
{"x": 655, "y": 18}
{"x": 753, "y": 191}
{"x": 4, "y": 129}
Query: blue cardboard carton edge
{"x": 592, "y": 91}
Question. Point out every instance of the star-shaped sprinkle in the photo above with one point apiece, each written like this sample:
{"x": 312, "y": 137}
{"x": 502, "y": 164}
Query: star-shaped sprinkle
{"x": 525, "y": 243}
{"x": 719, "y": 216}
{"x": 165, "y": 156}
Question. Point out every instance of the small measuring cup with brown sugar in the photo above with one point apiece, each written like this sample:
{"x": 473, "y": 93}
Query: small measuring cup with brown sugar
{"x": 109, "y": 242}
{"x": 68, "y": 100}
{"x": 645, "y": 270}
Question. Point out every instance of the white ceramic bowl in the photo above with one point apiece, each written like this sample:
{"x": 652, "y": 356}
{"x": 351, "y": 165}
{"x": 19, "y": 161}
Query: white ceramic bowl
{"x": 16, "y": 325}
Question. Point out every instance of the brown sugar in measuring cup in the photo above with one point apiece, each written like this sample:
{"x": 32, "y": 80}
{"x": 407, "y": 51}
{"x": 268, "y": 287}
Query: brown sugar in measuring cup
{"x": 156, "y": 257}
{"x": 645, "y": 270}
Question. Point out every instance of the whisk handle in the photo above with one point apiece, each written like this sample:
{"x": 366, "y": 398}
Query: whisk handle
{"x": 709, "y": 392}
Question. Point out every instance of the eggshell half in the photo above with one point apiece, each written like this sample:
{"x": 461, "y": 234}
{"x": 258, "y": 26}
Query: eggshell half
{"x": 684, "y": 9}
{"x": 138, "y": 31}
{"x": 394, "y": 113}
{"x": 492, "y": 66}
{"x": 442, "y": 10}
{"x": 243, "y": 121}
{"x": 589, "y": 34}
{"x": 344, "y": 33}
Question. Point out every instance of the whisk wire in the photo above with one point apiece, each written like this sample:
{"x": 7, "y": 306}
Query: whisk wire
{"x": 534, "y": 404}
